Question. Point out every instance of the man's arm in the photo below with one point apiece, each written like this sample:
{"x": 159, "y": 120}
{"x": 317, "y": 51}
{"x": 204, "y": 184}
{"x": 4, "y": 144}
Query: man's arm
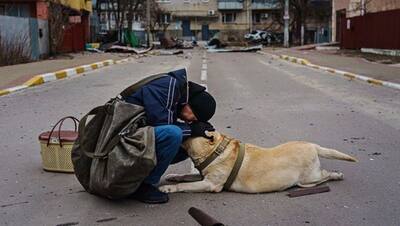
{"x": 159, "y": 101}
{"x": 186, "y": 131}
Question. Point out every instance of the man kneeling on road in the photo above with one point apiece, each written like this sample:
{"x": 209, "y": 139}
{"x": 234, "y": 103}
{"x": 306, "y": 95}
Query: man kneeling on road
{"x": 165, "y": 100}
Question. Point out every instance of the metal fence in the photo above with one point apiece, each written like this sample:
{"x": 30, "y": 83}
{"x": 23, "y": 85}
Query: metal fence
{"x": 35, "y": 31}
{"x": 374, "y": 30}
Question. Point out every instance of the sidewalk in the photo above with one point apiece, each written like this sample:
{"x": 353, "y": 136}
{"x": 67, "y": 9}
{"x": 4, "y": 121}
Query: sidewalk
{"x": 357, "y": 65}
{"x": 15, "y": 75}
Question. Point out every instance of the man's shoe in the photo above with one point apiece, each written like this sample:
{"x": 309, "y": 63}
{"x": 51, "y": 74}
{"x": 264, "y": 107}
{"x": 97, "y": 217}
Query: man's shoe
{"x": 147, "y": 193}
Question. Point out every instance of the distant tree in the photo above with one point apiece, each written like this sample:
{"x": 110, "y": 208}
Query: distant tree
{"x": 58, "y": 22}
{"x": 159, "y": 18}
{"x": 123, "y": 12}
{"x": 300, "y": 11}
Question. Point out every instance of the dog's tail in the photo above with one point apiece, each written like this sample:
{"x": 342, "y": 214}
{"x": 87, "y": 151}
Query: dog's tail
{"x": 333, "y": 154}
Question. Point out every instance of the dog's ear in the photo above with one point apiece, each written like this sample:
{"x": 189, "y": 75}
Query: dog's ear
{"x": 209, "y": 133}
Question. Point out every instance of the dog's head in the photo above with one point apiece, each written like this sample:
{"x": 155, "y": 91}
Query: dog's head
{"x": 198, "y": 148}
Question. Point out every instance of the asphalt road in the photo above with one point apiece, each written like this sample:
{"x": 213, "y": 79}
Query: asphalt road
{"x": 261, "y": 100}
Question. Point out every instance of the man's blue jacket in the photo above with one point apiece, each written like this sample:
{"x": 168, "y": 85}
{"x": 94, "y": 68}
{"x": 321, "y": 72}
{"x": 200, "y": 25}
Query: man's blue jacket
{"x": 163, "y": 98}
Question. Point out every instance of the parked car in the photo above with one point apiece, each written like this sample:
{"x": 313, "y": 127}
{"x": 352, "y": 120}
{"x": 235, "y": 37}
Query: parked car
{"x": 256, "y": 35}
{"x": 265, "y": 37}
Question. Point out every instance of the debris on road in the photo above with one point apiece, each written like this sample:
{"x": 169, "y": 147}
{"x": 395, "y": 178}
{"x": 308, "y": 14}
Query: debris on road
{"x": 308, "y": 191}
{"x": 170, "y": 52}
{"x": 93, "y": 47}
{"x": 170, "y": 43}
{"x": 127, "y": 49}
{"x": 68, "y": 224}
{"x": 241, "y": 49}
{"x": 167, "y": 42}
{"x": 94, "y": 50}
{"x": 215, "y": 43}
{"x": 202, "y": 218}
{"x": 106, "y": 219}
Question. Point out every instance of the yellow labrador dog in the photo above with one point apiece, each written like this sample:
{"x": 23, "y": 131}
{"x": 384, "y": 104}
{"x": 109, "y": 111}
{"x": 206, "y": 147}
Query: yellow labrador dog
{"x": 262, "y": 169}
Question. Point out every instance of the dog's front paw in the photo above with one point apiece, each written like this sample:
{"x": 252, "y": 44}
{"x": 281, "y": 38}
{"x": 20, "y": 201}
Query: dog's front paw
{"x": 173, "y": 178}
{"x": 168, "y": 188}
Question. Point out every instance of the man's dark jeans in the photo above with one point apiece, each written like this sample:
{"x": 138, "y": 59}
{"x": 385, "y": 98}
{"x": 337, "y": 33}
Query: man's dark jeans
{"x": 168, "y": 142}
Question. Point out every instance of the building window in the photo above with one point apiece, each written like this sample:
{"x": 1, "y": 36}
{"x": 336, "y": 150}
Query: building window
{"x": 136, "y": 17}
{"x": 228, "y": 17}
{"x": 165, "y": 18}
{"x": 103, "y": 6}
{"x": 2, "y": 10}
{"x": 259, "y": 17}
{"x": 15, "y": 9}
{"x": 103, "y": 17}
{"x": 163, "y": 1}
{"x": 256, "y": 18}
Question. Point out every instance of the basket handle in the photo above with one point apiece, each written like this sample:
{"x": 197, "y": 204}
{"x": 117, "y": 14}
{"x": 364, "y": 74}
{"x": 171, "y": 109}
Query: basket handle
{"x": 60, "y": 123}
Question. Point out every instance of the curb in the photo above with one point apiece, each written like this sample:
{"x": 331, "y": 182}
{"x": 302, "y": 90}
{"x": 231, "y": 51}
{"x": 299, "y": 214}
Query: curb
{"x": 48, "y": 77}
{"x": 346, "y": 74}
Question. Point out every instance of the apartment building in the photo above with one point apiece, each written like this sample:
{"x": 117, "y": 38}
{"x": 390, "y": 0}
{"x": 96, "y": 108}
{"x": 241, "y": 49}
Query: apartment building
{"x": 201, "y": 19}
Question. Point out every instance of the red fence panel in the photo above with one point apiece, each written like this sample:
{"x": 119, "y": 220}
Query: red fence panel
{"x": 76, "y": 36}
{"x": 374, "y": 30}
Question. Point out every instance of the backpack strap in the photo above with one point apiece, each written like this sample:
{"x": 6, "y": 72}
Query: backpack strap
{"x": 135, "y": 87}
{"x": 82, "y": 126}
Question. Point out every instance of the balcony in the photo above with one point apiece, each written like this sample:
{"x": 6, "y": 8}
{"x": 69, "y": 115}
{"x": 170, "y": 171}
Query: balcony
{"x": 230, "y": 4}
{"x": 265, "y": 4}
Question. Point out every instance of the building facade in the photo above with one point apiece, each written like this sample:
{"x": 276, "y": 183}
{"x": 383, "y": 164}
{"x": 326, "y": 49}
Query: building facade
{"x": 230, "y": 19}
{"x": 25, "y": 23}
{"x": 366, "y": 23}
{"x": 202, "y": 19}
{"x": 29, "y": 18}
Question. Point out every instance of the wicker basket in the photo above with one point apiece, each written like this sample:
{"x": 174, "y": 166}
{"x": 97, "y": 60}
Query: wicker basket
{"x": 56, "y": 147}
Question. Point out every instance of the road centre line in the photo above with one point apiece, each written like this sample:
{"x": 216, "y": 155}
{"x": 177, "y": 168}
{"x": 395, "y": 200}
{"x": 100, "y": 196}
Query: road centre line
{"x": 203, "y": 75}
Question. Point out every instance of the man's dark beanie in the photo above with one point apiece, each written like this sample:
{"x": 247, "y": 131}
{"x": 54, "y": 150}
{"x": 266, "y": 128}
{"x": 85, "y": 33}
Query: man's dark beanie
{"x": 202, "y": 103}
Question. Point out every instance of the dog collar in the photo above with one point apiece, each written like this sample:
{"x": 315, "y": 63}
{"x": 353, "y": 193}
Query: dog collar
{"x": 217, "y": 152}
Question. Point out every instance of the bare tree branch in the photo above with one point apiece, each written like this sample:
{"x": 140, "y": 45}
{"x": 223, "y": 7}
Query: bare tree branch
{"x": 58, "y": 23}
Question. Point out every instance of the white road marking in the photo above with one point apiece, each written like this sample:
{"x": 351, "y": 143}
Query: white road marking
{"x": 203, "y": 75}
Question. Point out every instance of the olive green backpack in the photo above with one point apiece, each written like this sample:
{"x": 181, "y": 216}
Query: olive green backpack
{"x": 115, "y": 149}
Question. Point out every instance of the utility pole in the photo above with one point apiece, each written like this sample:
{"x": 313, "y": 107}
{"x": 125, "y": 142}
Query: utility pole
{"x": 286, "y": 19}
{"x": 148, "y": 22}
{"x": 362, "y": 8}
{"x": 249, "y": 14}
